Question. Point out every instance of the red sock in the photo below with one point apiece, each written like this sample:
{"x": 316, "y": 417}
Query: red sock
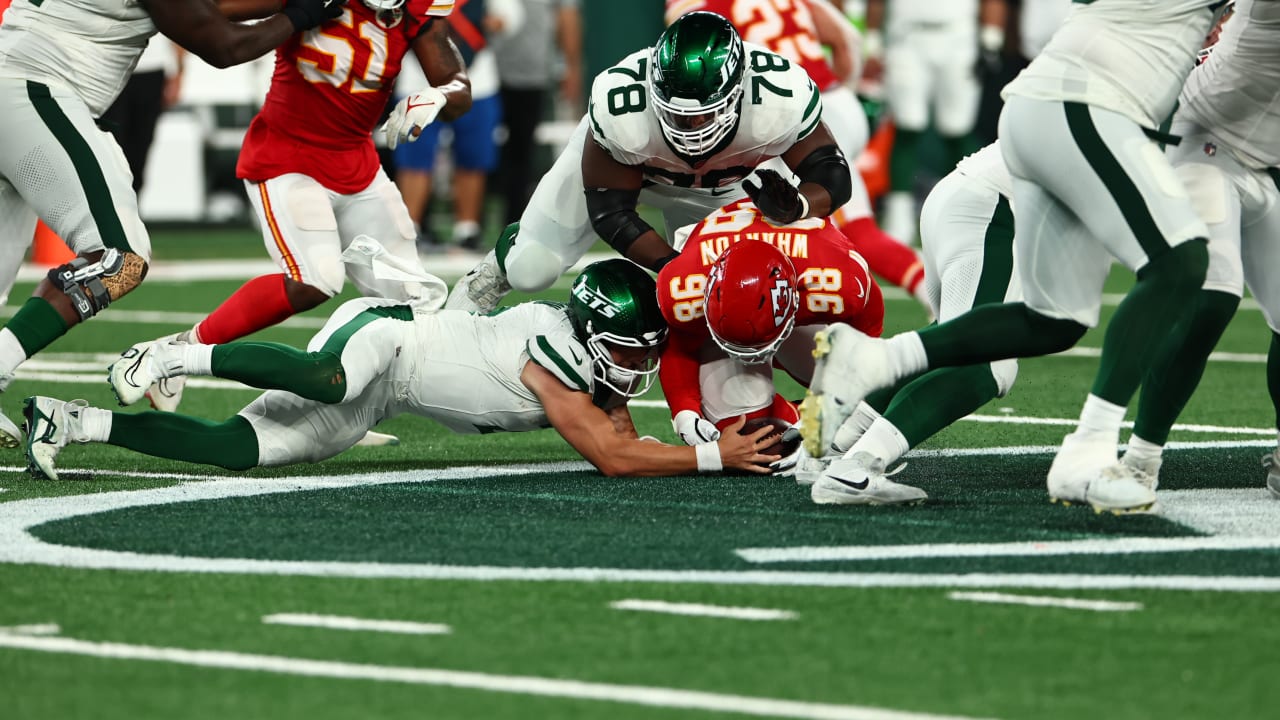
{"x": 259, "y": 303}
{"x": 886, "y": 257}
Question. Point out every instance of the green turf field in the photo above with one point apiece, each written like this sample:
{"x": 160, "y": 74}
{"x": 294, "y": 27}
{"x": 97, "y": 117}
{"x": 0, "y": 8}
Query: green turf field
{"x": 519, "y": 583}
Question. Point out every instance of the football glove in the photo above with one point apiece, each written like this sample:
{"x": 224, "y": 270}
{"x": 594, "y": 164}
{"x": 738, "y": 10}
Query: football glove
{"x": 693, "y": 429}
{"x": 306, "y": 14}
{"x": 786, "y": 466}
{"x": 779, "y": 200}
{"x": 411, "y": 115}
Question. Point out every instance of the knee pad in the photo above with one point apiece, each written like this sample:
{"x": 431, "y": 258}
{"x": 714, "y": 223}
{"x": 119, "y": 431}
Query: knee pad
{"x": 532, "y": 267}
{"x": 328, "y": 275}
{"x": 1005, "y": 373}
{"x": 92, "y": 286}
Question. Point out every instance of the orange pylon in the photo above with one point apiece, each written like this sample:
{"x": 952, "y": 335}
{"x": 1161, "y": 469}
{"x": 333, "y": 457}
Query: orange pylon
{"x": 48, "y": 249}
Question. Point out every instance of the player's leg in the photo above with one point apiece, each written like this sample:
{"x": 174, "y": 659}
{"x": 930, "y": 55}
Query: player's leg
{"x": 522, "y": 109}
{"x": 554, "y": 232}
{"x": 1224, "y": 195}
{"x": 1260, "y": 251}
{"x": 908, "y": 86}
{"x": 476, "y": 155}
{"x": 377, "y": 213}
{"x": 415, "y": 162}
{"x": 75, "y": 177}
{"x": 957, "y": 91}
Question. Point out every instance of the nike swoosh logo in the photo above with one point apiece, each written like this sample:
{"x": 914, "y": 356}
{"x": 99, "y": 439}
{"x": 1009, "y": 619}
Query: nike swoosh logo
{"x": 409, "y": 106}
{"x": 856, "y": 486}
{"x": 130, "y": 373}
{"x": 574, "y": 353}
{"x": 717, "y": 192}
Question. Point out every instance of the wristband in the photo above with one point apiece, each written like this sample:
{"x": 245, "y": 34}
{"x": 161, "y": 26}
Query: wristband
{"x": 873, "y": 44}
{"x": 991, "y": 38}
{"x": 708, "y": 457}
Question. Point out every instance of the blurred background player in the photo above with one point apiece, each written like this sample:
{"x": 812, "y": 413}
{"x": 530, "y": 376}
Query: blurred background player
{"x": 527, "y": 69}
{"x": 540, "y": 364}
{"x": 310, "y": 167}
{"x": 472, "y": 25}
{"x": 152, "y": 88}
{"x": 677, "y": 126}
{"x": 928, "y": 53}
{"x": 62, "y": 64}
{"x": 799, "y": 30}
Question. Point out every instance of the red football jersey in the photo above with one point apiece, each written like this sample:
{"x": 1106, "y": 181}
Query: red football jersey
{"x": 784, "y": 26}
{"x": 330, "y": 87}
{"x": 834, "y": 286}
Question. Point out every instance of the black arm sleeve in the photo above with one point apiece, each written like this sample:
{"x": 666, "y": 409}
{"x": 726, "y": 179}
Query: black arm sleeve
{"x": 827, "y": 167}
{"x": 614, "y": 217}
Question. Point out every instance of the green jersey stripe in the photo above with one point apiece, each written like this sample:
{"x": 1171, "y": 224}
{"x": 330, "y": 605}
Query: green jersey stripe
{"x": 570, "y": 373}
{"x": 997, "y": 256}
{"x": 337, "y": 342}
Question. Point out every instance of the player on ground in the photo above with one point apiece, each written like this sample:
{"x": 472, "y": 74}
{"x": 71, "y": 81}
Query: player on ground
{"x": 536, "y": 365}
{"x": 62, "y": 63}
{"x": 966, "y": 230}
{"x": 1089, "y": 184}
{"x": 677, "y": 127}
{"x": 310, "y": 167}
{"x": 745, "y": 296}
{"x": 798, "y": 30}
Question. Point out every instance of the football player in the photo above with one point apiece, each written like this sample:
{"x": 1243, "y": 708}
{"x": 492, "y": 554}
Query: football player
{"x": 966, "y": 230}
{"x": 927, "y": 53}
{"x": 798, "y": 30}
{"x": 62, "y": 64}
{"x": 677, "y": 126}
{"x": 310, "y": 167}
{"x": 571, "y": 367}
{"x": 746, "y": 295}
{"x": 1089, "y": 184}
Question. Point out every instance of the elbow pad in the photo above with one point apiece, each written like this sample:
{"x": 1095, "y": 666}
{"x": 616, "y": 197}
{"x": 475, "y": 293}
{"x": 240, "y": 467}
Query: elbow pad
{"x": 614, "y": 218}
{"x": 827, "y": 167}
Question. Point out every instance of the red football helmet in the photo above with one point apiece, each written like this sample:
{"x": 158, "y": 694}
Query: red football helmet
{"x": 751, "y": 300}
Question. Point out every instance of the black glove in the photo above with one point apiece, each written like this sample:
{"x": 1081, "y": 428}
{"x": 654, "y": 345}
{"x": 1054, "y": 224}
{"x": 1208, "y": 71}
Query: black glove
{"x": 779, "y": 200}
{"x": 306, "y": 14}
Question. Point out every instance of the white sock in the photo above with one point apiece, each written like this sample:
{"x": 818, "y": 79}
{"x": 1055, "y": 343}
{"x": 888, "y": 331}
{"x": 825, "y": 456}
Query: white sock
{"x": 906, "y": 354}
{"x": 1100, "y": 416}
{"x": 883, "y": 440}
{"x": 95, "y": 424}
{"x": 190, "y": 336}
{"x": 465, "y": 228}
{"x": 11, "y": 353}
{"x": 197, "y": 359}
{"x": 1142, "y": 450}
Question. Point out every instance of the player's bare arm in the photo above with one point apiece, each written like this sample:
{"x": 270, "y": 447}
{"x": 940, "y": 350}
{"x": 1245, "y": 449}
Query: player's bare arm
{"x": 613, "y": 189}
{"x": 200, "y": 27}
{"x": 839, "y": 36}
{"x": 591, "y": 432}
{"x": 444, "y": 68}
{"x": 240, "y": 10}
{"x": 622, "y": 422}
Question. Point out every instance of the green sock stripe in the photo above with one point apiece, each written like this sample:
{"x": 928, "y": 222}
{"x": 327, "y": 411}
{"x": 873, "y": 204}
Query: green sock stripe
{"x": 997, "y": 256}
{"x": 88, "y": 171}
{"x": 938, "y": 398}
{"x": 503, "y": 247}
{"x": 36, "y": 325}
{"x": 232, "y": 444}
{"x": 1125, "y": 194}
{"x": 315, "y": 376}
{"x": 337, "y": 342}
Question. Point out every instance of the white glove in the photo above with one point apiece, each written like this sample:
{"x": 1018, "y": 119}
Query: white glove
{"x": 694, "y": 430}
{"x": 411, "y": 115}
{"x": 786, "y": 466}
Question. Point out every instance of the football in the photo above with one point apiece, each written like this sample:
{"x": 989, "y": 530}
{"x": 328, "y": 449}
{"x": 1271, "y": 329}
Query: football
{"x": 779, "y": 447}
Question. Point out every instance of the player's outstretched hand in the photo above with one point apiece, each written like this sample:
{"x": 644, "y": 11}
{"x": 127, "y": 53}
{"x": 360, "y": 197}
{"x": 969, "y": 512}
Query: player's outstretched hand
{"x": 306, "y": 14}
{"x": 779, "y": 200}
{"x": 693, "y": 429}
{"x": 412, "y": 114}
{"x": 743, "y": 452}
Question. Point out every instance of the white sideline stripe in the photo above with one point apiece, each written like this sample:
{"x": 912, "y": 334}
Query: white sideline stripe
{"x": 19, "y": 546}
{"x": 1118, "y": 546}
{"x": 41, "y": 629}
{"x": 695, "y": 609}
{"x": 165, "y": 317}
{"x": 338, "y": 622}
{"x": 514, "y": 684}
{"x": 1046, "y": 601}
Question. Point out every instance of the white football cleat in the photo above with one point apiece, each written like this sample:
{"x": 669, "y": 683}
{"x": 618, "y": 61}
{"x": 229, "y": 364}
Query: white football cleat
{"x": 1079, "y": 461}
{"x": 165, "y": 394}
{"x": 1121, "y": 489}
{"x": 1272, "y": 464}
{"x": 377, "y": 439}
{"x": 849, "y": 365}
{"x": 1146, "y": 472}
{"x": 131, "y": 375}
{"x": 480, "y": 290}
{"x": 809, "y": 468}
{"x": 51, "y": 424}
{"x": 10, "y": 435}
{"x": 860, "y": 479}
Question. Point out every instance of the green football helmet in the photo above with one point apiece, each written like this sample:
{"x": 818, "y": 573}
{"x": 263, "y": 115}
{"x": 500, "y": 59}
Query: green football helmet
{"x": 614, "y": 304}
{"x": 696, "y": 82}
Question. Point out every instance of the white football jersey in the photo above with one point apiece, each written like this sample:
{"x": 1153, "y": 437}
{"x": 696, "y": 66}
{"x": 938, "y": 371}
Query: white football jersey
{"x": 780, "y": 105}
{"x": 986, "y": 167}
{"x": 1235, "y": 93}
{"x": 88, "y": 46}
{"x": 465, "y": 369}
{"x": 1128, "y": 56}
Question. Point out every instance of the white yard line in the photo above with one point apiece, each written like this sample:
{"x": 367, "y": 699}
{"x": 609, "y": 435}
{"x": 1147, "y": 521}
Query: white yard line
{"x": 18, "y": 545}
{"x": 511, "y": 684}
{"x": 338, "y": 622}
{"x": 698, "y": 610}
{"x": 1046, "y": 601}
{"x": 38, "y": 629}
{"x": 166, "y": 317}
